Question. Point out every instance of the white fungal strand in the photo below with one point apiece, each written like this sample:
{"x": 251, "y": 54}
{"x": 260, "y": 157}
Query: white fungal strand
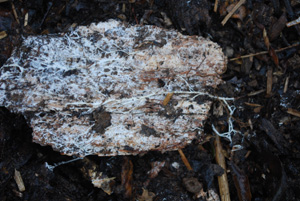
{"x": 99, "y": 89}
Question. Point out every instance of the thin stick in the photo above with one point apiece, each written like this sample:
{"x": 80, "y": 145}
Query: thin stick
{"x": 3, "y": 34}
{"x": 19, "y": 181}
{"x": 254, "y": 93}
{"x": 293, "y": 23}
{"x": 26, "y": 20}
{"x": 269, "y": 82}
{"x": 167, "y": 99}
{"x": 184, "y": 159}
{"x": 263, "y": 52}
{"x": 293, "y": 112}
{"x": 15, "y": 13}
{"x": 237, "y": 6}
{"x": 286, "y": 84}
{"x": 222, "y": 180}
{"x": 216, "y": 6}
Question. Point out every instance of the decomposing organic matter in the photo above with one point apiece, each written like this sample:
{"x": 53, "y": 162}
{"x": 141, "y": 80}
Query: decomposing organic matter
{"x": 99, "y": 89}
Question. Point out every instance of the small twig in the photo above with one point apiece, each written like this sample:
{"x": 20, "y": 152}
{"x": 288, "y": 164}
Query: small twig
{"x": 216, "y": 6}
{"x": 293, "y": 112}
{"x": 228, "y": 16}
{"x": 248, "y": 154}
{"x": 254, "y": 93}
{"x": 26, "y": 20}
{"x": 15, "y": 13}
{"x": 269, "y": 82}
{"x": 3, "y": 34}
{"x": 263, "y": 52}
{"x": 222, "y": 180}
{"x": 252, "y": 104}
{"x": 293, "y": 23}
{"x": 167, "y": 99}
{"x": 184, "y": 159}
{"x": 286, "y": 84}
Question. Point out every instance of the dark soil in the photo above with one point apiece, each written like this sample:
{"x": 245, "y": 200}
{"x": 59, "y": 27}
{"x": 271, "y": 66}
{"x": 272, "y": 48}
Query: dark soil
{"x": 266, "y": 87}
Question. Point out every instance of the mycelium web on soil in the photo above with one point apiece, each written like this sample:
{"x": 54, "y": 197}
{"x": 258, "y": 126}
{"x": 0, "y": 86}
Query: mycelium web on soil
{"x": 99, "y": 89}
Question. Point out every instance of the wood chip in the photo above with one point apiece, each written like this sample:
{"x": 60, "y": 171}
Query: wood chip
{"x": 240, "y": 13}
{"x": 275, "y": 135}
{"x": 19, "y": 181}
{"x": 99, "y": 89}
{"x": 293, "y": 23}
{"x": 146, "y": 196}
{"x": 293, "y": 112}
{"x": 254, "y": 93}
{"x": 252, "y": 104}
{"x": 104, "y": 183}
{"x": 91, "y": 171}
{"x": 241, "y": 2}
{"x": 257, "y": 109}
{"x": 216, "y": 6}
{"x": 269, "y": 82}
{"x": 127, "y": 178}
{"x": 156, "y": 168}
{"x": 167, "y": 99}
{"x": 241, "y": 182}
{"x": 15, "y": 13}
{"x": 266, "y": 38}
{"x": 3, "y": 34}
{"x": 286, "y": 84}
{"x": 277, "y": 27}
{"x": 26, "y": 20}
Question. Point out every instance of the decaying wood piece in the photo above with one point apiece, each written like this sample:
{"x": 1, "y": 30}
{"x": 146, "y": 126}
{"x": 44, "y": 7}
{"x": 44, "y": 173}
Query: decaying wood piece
{"x": 19, "y": 181}
{"x": 222, "y": 180}
{"x": 99, "y": 89}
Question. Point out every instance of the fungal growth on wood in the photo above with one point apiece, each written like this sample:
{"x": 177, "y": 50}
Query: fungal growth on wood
{"x": 99, "y": 89}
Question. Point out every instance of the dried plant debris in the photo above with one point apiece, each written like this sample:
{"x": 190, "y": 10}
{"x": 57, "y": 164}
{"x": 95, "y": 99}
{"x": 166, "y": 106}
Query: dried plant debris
{"x": 99, "y": 89}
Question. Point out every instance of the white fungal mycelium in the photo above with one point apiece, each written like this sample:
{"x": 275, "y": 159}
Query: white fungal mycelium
{"x": 99, "y": 89}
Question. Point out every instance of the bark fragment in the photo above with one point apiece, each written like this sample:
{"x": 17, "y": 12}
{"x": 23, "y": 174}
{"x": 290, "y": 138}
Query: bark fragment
{"x": 100, "y": 89}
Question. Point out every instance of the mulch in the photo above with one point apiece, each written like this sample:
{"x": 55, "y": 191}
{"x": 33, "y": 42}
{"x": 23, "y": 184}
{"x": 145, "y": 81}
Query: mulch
{"x": 262, "y": 156}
